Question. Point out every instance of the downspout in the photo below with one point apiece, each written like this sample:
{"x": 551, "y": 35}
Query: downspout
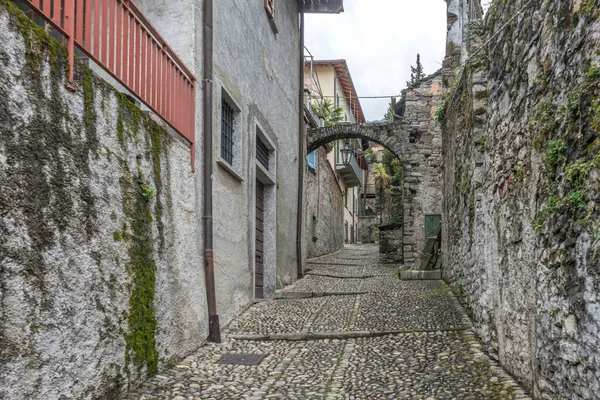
{"x": 301, "y": 152}
{"x": 214, "y": 331}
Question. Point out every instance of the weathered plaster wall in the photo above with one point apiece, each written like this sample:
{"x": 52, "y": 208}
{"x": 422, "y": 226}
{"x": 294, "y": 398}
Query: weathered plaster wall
{"x": 101, "y": 280}
{"x": 324, "y": 211}
{"x": 259, "y": 70}
{"x": 521, "y": 230}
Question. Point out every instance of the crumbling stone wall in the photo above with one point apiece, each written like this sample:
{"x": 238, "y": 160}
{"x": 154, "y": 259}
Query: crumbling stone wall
{"x": 521, "y": 231}
{"x": 101, "y": 277}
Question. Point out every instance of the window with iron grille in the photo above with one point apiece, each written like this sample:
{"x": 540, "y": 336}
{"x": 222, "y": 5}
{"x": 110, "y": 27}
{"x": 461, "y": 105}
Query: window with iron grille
{"x": 262, "y": 152}
{"x": 227, "y": 131}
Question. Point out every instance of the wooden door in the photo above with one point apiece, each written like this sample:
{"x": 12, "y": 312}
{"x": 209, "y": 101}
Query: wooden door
{"x": 260, "y": 239}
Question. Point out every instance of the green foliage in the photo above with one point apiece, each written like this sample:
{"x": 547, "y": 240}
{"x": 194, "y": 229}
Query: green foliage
{"x": 593, "y": 74}
{"x": 475, "y": 28}
{"x": 577, "y": 171}
{"x": 481, "y": 145}
{"x": 147, "y": 192}
{"x": 370, "y": 156}
{"x": 542, "y": 122}
{"x": 480, "y": 111}
{"x": 440, "y": 112}
{"x": 519, "y": 169}
{"x": 328, "y": 113}
{"x": 576, "y": 199}
{"x": 555, "y": 155}
{"x": 554, "y": 312}
{"x": 416, "y": 74}
{"x": 552, "y": 205}
{"x": 589, "y": 7}
{"x": 382, "y": 180}
{"x": 595, "y": 114}
{"x": 482, "y": 94}
{"x": 389, "y": 114}
{"x": 117, "y": 236}
{"x": 597, "y": 234}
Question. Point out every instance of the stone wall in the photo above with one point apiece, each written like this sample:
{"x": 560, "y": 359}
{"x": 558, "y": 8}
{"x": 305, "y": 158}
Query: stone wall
{"x": 521, "y": 231}
{"x": 324, "y": 209}
{"x": 390, "y": 244}
{"x": 101, "y": 277}
{"x": 367, "y": 229}
{"x": 422, "y": 166}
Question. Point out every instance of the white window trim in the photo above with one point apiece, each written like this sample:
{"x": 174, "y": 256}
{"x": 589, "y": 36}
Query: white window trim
{"x": 267, "y": 176}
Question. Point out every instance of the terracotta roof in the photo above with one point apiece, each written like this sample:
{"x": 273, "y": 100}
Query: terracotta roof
{"x": 321, "y": 6}
{"x": 343, "y": 74}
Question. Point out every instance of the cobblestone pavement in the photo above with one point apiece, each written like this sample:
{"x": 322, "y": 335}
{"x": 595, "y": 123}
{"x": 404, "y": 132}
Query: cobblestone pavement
{"x": 349, "y": 330}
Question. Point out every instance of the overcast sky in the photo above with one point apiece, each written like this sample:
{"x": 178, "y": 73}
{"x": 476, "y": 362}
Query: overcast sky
{"x": 380, "y": 40}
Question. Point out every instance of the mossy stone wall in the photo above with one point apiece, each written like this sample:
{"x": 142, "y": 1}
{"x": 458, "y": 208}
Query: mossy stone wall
{"x": 101, "y": 282}
{"x": 522, "y": 192}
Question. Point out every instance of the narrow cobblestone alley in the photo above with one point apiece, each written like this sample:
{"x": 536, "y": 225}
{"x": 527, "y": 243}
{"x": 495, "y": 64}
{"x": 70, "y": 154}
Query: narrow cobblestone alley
{"x": 349, "y": 330}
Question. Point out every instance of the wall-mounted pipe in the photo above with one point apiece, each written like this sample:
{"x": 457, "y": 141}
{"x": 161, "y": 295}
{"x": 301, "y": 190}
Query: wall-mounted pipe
{"x": 301, "y": 151}
{"x": 214, "y": 331}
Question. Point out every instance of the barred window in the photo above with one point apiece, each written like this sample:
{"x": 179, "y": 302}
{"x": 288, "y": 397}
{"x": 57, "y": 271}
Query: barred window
{"x": 227, "y": 130}
{"x": 262, "y": 152}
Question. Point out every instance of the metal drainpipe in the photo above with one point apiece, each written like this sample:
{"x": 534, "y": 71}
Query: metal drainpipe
{"x": 301, "y": 152}
{"x": 214, "y": 331}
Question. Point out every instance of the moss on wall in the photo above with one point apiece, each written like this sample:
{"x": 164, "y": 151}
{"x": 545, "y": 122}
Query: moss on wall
{"x": 53, "y": 190}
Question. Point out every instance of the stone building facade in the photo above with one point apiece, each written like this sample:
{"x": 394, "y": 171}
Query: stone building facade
{"x": 101, "y": 215}
{"x": 521, "y": 242}
{"x": 98, "y": 230}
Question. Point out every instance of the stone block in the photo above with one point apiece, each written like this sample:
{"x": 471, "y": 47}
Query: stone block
{"x": 415, "y": 275}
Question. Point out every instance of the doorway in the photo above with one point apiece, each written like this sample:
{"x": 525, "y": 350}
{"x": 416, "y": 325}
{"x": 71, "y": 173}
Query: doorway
{"x": 259, "y": 256}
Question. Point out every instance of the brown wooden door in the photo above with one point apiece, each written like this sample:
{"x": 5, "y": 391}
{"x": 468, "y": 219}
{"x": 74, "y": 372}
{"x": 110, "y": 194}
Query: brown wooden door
{"x": 260, "y": 239}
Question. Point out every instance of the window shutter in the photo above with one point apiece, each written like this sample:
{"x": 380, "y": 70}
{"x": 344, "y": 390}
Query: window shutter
{"x": 432, "y": 225}
{"x": 270, "y": 8}
{"x": 312, "y": 160}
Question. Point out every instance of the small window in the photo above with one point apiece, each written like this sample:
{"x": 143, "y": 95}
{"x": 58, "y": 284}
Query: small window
{"x": 230, "y": 134}
{"x": 312, "y": 160}
{"x": 262, "y": 152}
{"x": 227, "y": 131}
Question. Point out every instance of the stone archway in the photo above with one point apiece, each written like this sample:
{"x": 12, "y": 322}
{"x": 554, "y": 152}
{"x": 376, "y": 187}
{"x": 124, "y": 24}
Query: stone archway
{"x": 395, "y": 136}
{"x": 416, "y": 140}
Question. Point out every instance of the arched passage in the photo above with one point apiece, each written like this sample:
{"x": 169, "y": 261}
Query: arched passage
{"x": 417, "y": 142}
{"x": 395, "y": 136}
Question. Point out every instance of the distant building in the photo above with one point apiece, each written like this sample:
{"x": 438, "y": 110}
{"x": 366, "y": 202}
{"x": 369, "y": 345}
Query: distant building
{"x": 330, "y": 80}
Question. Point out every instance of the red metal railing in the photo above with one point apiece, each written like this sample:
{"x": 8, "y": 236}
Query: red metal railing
{"x": 117, "y": 36}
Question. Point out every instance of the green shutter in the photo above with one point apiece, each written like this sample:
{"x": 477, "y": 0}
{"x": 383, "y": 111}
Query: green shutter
{"x": 432, "y": 225}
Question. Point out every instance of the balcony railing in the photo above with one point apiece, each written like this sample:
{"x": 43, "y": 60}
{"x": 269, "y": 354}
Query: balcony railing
{"x": 119, "y": 38}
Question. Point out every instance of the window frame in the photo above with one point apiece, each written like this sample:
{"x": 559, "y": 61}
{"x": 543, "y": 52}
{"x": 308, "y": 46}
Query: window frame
{"x": 236, "y": 167}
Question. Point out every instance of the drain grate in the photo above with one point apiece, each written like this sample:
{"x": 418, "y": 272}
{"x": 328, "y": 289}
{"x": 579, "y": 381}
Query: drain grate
{"x": 242, "y": 359}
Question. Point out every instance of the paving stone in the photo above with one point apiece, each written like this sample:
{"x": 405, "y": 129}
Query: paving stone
{"x": 436, "y": 356}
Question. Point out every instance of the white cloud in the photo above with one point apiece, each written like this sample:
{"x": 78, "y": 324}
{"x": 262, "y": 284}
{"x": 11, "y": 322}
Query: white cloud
{"x": 380, "y": 40}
